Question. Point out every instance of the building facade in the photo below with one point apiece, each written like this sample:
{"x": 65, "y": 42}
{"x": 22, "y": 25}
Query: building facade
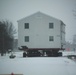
{"x": 41, "y": 31}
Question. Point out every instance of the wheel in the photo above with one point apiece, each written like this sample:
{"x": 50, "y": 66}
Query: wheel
{"x": 24, "y": 54}
{"x": 60, "y": 54}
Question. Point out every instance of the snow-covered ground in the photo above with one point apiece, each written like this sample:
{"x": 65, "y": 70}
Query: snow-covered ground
{"x": 65, "y": 53}
{"x": 37, "y": 65}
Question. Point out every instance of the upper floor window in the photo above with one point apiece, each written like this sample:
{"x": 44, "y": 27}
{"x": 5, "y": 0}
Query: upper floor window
{"x": 26, "y": 25}
{"x": 26, "y": 38}
{"x": 51, "y": 38}
{"x": 51, "y": 25}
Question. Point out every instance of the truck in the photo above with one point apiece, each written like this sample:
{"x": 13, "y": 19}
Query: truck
{"x": 41, "y": 35}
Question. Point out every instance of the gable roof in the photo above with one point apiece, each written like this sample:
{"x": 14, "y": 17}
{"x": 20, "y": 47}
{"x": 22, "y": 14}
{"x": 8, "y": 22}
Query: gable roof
{"x": 37, "y": 13}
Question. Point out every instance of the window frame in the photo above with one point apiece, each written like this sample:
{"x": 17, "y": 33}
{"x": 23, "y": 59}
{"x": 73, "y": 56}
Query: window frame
{"x": 51, "y": 38}
{"x": 26, "y": 25}
{"x": 26, "y": 38}
{"x": 51, "y": 25}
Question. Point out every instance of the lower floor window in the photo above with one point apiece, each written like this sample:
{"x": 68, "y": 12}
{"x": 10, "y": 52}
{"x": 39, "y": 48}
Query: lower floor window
{"x": 51, "y": 38}
{"x": 26, "y": 38}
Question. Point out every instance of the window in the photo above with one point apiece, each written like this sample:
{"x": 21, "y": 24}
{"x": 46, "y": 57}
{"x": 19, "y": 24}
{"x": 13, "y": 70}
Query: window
{"x": 51, "y": 25}
{"x": 26, "y": 25}
{"x": 51, "y": 38}
{"x": 26, "y": 38}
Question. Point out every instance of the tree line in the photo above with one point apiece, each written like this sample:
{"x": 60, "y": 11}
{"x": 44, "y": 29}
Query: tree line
{"x": 7, "y": 32}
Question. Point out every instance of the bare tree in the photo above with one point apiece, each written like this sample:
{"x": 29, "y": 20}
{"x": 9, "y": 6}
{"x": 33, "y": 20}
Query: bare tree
{"x": 74, "y": 11}
{"x": 74, "y": 37}
{"x": 7, "y": 32}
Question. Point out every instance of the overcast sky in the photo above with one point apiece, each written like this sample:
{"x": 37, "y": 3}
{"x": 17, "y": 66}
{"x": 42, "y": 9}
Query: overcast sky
{"x": 14, "y": 10}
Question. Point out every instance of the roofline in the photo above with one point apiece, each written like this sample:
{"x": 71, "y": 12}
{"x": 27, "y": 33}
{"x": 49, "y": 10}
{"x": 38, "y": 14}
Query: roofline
{"x": 63, "y": 23}
{"x": 27, "y": 16}
{"x": 35, "y": 13}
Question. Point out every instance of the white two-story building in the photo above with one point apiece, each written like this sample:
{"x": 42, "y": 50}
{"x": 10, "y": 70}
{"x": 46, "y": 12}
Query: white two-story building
{"x": 41, "y": 31}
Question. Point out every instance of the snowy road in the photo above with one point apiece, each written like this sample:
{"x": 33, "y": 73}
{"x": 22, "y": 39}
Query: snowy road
{"x": 37, "y": 66}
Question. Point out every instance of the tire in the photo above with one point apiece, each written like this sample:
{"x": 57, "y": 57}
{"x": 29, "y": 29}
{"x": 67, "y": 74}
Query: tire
{"x": 24, "y": 54}
{"x": 60, "y": 54}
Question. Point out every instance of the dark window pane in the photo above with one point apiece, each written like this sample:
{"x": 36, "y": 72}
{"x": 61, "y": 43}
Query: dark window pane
{"x": 51, "y": 25}
{"x": 26, "y": 25}
{"x": 26, "y": 38}
{"x": 51, "y": 38}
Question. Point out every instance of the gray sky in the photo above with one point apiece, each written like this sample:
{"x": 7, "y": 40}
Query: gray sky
{"x": 14, "y": 10}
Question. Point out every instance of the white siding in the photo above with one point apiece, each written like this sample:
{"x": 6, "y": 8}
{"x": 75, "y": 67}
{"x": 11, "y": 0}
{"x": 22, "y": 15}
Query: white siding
{"x": 63, "y": 34}
{"x": 39, "y": 31}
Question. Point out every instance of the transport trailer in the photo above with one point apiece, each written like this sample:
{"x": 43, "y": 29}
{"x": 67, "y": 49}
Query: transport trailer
{"x": 41, "y": 52}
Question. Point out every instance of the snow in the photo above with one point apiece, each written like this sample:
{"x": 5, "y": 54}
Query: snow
{"x": 37, "y": 65}
{"x": 65, "y": 53}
